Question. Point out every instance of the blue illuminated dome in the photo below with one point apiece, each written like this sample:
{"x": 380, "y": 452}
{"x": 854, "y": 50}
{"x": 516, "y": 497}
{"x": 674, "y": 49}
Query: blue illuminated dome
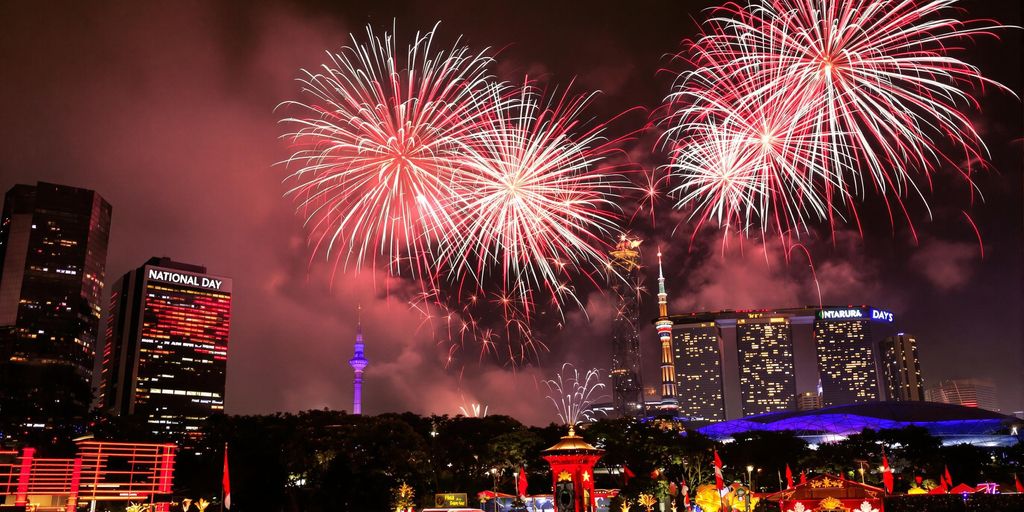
{"x": 954, "y": 424}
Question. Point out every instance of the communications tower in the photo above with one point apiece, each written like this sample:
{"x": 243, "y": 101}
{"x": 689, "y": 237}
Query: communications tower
{"x": 358, "y": 364}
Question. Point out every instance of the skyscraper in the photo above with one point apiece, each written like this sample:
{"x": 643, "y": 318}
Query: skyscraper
{"x": 358, "y": 364}
{"x": 698, "y": 367}
{"x": 624, "y": 279}
{"x": 669, "y": 400}
{"x": 53, "y": 249}
{"x": 767, "y": 375}
{"x": 846, "y": 356}
{"x": 902, "y": 368}
{"x": 165, "y": 357}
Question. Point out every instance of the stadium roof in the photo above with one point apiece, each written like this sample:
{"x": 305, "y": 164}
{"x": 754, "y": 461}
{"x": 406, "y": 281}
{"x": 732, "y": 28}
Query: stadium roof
{"x": 954, "y": 424}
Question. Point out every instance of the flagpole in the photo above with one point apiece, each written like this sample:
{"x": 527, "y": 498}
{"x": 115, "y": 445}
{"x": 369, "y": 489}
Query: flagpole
{"x": 222, "y": 477}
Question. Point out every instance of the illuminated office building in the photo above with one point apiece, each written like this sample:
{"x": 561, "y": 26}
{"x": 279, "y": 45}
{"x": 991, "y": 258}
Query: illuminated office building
{"x": 902, "y": 368}
{"x": 846, "y": 355}
{"x": 767, "y": 376}
{"x": 165, "y": 356}
{"x": 53, "y": 252}
{"x": 698, "y": 367}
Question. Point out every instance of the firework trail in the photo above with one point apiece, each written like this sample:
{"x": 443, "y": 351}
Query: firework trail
{"x": 847, "y": 97}
{"x": 376, "y": 139}
{"x": 473, "y": 410}
{"x": 573, "y": 396}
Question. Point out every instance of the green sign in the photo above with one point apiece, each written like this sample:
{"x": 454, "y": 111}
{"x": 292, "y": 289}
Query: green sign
{"x": 451, "y": 500}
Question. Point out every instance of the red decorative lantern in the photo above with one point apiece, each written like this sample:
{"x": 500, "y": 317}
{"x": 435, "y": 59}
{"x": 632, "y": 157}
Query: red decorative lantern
{"x": 572, "y": 473}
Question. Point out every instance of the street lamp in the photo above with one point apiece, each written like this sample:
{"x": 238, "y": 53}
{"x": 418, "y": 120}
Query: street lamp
{"x": 750, "y": 469}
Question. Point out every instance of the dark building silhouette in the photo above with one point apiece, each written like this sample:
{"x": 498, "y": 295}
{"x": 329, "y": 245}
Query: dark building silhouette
{"x": 53, "y": 252}
{"x": 902, "y": 368}
{"x": 165, "y": 356}
{"x": 624, "y": 279}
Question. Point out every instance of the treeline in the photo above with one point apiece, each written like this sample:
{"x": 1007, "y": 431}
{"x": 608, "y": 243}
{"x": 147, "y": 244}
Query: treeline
{"x": 328, "y": 460}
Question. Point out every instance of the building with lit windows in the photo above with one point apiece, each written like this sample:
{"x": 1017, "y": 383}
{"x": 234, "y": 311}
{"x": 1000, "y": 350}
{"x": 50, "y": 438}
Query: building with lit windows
{"x": 808, "y": 401}
{"x": 980, "y": 393}
{"x": 767, "y": 375}
{"x": 731, "y": 364}
{"x": 901, "y": 368}
{"x": 698, "y": 367}
{"x": 846, "y": 354}
{"x": 165, "y": 356}
{"x": 53, "y": 252}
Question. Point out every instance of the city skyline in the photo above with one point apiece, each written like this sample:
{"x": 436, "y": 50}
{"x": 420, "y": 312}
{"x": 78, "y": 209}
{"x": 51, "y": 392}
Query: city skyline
{"x": 177, "y": 194}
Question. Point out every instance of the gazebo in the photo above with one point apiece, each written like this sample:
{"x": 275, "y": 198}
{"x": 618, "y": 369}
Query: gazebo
{"x": 829, "y": 493}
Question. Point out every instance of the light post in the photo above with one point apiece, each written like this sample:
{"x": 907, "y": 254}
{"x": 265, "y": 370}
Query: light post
{"x": 750, "y": 469}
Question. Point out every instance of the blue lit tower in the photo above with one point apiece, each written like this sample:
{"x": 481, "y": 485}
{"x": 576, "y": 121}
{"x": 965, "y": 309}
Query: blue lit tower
{"x": 358, "y": 364}
{"x": 669, "y": 401}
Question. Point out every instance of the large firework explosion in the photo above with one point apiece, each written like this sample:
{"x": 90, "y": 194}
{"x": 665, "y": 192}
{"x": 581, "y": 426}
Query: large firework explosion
{"x": 494, "y": 198}
{"x": 376, "y": 142}
{"x": 794, "y": 109}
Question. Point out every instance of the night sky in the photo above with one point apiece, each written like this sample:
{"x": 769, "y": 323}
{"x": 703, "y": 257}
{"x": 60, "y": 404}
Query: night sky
{"x": 167, "y": 110}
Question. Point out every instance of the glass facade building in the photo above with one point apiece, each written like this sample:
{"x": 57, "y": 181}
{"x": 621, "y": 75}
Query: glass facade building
{"x": 165, "y": 357}
{"x": 53, "y": 252}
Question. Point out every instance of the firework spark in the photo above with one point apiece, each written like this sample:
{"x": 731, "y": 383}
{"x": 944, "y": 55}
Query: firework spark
{"x": 574, "y": 396}
{"x": 376, "y": 143}
{"x": 841, "y": 98}
{"x": 533, "y": 202}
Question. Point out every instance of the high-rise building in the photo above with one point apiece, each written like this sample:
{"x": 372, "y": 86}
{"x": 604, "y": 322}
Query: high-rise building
{"x": 358, "y": 364}
{"x": 165, "y": 357}
{"x": 53, "y": 249}
{"x": 902, "y": 368}
{"x": 767, "y": 375}
{"x": 624, "y": 279}
{"x": 808, "y": 401}
{"x": 846, "y": 355}
{"x": 698, "y": 367}
{"x": 669, "y": 400}
{"x": 980, "y": 393}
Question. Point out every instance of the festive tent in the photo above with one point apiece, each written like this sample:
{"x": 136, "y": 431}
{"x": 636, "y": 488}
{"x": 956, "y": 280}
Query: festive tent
{"x": 829, "y": 493}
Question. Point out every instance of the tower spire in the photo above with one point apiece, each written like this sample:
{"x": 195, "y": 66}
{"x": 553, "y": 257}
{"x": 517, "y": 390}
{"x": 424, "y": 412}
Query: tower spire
{"x": 669, "y": 400}
{"x": 358, "y": 364}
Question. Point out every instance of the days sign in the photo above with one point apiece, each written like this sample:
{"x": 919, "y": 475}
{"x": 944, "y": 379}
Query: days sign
{"x": 451, "y": 500}
{"x": 188, "y": 279}
{"x": 882, "y": 316}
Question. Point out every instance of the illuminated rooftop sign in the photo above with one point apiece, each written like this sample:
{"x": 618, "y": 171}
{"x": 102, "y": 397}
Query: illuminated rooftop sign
{"x": 856, "y": 314}
{"x": 188, "y": 279}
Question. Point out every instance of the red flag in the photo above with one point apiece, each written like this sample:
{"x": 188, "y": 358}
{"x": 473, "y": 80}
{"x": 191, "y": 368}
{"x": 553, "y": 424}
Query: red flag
{"x": 685, "y": 490}
{"x": 803, "y": 477}
{"x": 949, "y": 479}
{"x": 719, "y": 481}
{"x": 227, "y": 480}
{"x": 627, "y": 474}
{"x": 886, "y": 474}
{"x": 1016, "y": 481}
{"x": 789, "y": 477}
{"x": 522, "y": 481}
